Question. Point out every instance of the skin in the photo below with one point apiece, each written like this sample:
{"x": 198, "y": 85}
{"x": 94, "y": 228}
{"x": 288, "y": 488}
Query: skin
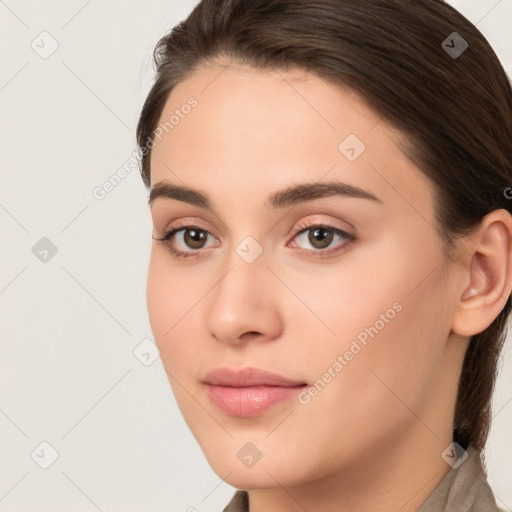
{"x": 383, "y": 421}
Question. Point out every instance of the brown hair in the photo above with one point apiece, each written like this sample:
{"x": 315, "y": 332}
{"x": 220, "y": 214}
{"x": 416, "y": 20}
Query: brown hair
{"x": 455, "y": 111}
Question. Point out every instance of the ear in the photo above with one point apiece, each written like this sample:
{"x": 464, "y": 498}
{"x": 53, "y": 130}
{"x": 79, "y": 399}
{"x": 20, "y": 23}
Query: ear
{"x": 487, "y": 274}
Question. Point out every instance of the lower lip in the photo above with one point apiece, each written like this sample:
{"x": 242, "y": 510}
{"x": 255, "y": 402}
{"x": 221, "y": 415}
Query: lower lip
{"x": 250, "y": 401}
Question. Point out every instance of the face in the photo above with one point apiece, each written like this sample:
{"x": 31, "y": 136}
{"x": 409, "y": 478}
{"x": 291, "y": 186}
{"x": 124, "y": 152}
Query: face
{"x": 340, "y": 291}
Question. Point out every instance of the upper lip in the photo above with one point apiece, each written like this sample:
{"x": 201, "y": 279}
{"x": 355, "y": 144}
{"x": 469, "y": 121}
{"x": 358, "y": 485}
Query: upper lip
{"x": 246, "y": 377}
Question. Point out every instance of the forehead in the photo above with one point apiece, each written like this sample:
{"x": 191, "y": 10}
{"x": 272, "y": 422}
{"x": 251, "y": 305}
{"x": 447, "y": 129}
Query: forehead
{"x": 267, "y": 130}
{"x": 237, "y": 99}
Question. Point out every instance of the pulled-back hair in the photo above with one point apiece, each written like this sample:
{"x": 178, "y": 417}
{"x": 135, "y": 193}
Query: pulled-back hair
{"x": 455, "y": 110}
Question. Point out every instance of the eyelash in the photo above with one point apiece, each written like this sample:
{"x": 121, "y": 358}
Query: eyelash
{"x": 301, "y": 228}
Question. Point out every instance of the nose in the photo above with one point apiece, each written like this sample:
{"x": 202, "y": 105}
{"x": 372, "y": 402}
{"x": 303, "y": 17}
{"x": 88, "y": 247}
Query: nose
{"x": 244, "y": 304}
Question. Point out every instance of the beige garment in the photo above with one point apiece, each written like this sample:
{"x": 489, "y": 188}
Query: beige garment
{"x": 463, "y": 489}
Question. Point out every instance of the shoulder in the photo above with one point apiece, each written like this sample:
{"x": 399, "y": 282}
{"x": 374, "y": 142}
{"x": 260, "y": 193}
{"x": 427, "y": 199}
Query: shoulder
{"x": 239, "y": 503}
{"x": 464, "y": 488}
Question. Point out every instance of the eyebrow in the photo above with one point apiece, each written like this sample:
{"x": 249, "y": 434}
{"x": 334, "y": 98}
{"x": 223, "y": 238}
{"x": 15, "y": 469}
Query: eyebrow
{"x": 290, "y": 196}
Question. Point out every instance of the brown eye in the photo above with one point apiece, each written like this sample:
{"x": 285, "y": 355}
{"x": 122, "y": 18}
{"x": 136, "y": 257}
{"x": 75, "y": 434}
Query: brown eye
{"x": 181, "y": 238}
{"x": 194, "y": 238}
{"x": 320, "y": 237}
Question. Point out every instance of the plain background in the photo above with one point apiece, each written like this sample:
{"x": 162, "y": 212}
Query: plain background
{"x": 71, "y": 324}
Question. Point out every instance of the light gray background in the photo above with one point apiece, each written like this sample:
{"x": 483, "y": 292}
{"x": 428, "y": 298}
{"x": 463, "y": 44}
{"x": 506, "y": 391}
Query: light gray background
{"x": 70, "y": 326}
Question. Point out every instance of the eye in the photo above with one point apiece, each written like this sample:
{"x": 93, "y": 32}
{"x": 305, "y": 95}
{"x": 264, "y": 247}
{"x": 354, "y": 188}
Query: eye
{"x": 321, "y": 236}
{"x": 192, "y": 236}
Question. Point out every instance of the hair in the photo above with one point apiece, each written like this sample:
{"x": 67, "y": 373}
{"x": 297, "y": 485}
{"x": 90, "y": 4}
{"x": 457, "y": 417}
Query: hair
{"x": 454, "y": 111}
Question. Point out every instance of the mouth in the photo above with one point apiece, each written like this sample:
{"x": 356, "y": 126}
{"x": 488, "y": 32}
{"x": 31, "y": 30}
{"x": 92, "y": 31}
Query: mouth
{"x": 249, "y": 391}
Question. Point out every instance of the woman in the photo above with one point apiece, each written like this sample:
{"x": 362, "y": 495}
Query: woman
{"x": 330, "y": 277}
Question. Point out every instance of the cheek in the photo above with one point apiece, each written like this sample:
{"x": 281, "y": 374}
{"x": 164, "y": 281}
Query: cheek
{"x": 160, "y": 294}
{"x": 173, "y": 299}
{"x": 389, "y": 374}
{"x": 388, "y": 318}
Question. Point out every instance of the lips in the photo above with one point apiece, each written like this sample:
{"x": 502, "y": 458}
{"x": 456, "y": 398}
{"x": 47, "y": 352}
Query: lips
{"x": 249, "y": 391}
{"x": 246, "y": 377}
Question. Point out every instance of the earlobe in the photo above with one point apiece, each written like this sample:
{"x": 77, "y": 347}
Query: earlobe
{"x": 488, "y": 268}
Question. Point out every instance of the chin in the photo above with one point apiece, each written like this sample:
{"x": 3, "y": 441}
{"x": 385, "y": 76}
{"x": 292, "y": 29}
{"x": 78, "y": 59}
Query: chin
{"x": 232, "y": 463}
{"x": 254, "y": 478}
